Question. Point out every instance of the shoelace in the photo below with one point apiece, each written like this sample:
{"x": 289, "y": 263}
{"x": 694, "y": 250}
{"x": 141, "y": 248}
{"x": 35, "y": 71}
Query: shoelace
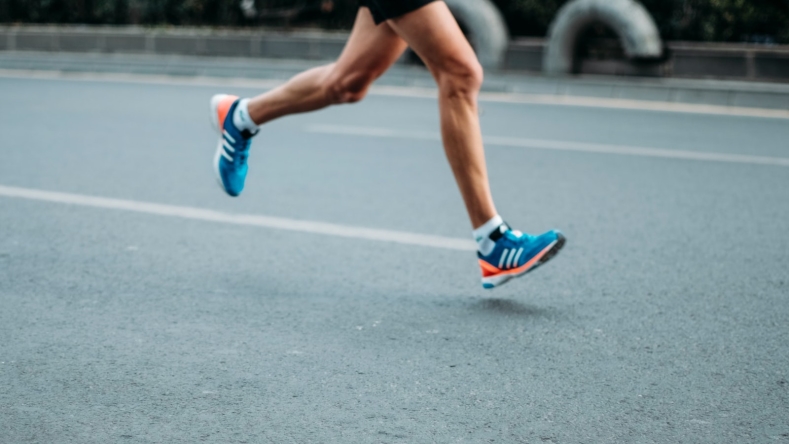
{"x": 244, "y": 153}
{"x": 241, "y": 157}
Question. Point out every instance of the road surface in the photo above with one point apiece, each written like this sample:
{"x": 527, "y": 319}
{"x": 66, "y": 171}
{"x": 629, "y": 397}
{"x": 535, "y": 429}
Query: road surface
{"x": 336, "y": 299}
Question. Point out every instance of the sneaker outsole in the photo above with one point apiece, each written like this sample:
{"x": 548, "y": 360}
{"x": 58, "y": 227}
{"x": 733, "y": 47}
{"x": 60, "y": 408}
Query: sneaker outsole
{"x": 560, "y": 241}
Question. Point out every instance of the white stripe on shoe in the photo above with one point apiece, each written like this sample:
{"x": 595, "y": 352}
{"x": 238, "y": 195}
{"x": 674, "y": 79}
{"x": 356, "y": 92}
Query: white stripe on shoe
{"x": 517, "y": 256}
{"x": 509, "y": 259}
{"x": 503, "y": 256}
{"x": 228, "y": 147}
{"x": 224, "y": 153}
{"x": 228, "y": 136}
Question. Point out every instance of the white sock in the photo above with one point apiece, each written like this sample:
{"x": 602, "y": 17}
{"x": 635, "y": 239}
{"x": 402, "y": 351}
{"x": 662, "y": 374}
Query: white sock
{"x": 241, "y": 118}
{"x": 482, "y": 235}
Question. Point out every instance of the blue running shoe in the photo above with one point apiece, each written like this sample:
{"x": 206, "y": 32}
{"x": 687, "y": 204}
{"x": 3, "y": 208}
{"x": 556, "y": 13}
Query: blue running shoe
{"x": 230, "y": 160}
{"x": 516, "y": 254}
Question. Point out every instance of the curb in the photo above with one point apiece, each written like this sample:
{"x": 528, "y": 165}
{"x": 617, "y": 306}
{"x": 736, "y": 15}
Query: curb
{"x": 190, "y": 41}
{"x": 279, "y": 55}
{"x": 680, "y": 91}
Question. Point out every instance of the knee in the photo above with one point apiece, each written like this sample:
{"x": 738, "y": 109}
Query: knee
{"x": 348, "y": 87}
{"x": 461, "y": 78}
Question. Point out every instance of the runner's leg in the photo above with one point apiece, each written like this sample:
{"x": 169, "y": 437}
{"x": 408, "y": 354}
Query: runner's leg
{"x": 370, "y": 51}
{"x": 434, "y": 34}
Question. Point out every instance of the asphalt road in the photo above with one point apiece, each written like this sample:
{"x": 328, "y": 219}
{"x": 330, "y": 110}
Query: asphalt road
{"x": 665, "y": 318}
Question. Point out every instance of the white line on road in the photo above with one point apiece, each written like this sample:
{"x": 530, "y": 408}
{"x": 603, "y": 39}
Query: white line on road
{"x": 636, "y": 105}
{"x": 593, "y": 102}
{"x": 411, "y": 91}
{"x": 148, "y": 79}
{"x": 401, "y": 237}
{"x": 557, "y": 145}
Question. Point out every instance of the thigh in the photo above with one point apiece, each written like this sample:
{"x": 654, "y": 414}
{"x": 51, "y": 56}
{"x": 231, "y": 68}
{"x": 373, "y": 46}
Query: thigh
{"x": 371, "y": 49}
{"x": 434, "y": 34}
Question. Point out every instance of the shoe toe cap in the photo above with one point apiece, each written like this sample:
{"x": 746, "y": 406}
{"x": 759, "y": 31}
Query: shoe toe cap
{"x": 233, "y": 186}
{"x": 232, "y": 179}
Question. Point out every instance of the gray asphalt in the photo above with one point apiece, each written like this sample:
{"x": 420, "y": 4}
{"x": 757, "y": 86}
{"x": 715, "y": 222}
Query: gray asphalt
{"x": 665, "y": 318}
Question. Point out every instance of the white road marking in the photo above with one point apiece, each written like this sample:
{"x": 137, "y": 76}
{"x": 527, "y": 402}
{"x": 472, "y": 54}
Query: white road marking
{"x": 592, "y": 102}
{"x": 557, "y": 145}
{"x": 304, "y": 226}
{"x": 152, "y": 79}
{"x": 636, "y": 105}
{"x": 410, "y": 91}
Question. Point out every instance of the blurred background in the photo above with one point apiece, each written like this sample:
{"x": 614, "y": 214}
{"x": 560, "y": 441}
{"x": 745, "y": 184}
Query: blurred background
{"x": 757, "y": 21}
{"x": 727, "y": 39}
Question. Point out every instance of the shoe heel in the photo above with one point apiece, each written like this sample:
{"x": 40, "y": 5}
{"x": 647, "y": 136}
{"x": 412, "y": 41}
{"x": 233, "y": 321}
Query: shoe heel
{"x": 215, "y": 101}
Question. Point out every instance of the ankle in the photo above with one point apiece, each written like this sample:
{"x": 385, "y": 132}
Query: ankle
{"x": 242, "y": 120}
{"x": 482, "y": 234}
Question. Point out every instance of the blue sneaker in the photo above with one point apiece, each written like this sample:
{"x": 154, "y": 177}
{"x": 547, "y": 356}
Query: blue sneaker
{"x": 516, "y": 254}
{"x": 230, "y": 160}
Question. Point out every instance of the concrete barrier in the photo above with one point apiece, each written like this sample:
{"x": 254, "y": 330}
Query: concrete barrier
{"x": 628, "y": 18}
{"x": 683, "y": 59}
{"x": 728, "y": 61}
{"x": 101, "y": 39}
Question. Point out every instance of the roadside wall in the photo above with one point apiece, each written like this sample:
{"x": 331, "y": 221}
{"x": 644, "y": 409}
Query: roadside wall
{"x": 684, "y": 59}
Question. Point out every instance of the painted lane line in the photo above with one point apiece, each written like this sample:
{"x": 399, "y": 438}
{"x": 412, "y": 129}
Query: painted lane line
{"x": 557, "y": 145}
{"x": 635, "y": 105}
{"x": 592, "y": 102}
{"x": 409, "y": 92}
{"x": 303, "y": 226}
{"x": 145, "y": 79}
{"x": 636, "y": 151}
{"x": 347, "y": 130}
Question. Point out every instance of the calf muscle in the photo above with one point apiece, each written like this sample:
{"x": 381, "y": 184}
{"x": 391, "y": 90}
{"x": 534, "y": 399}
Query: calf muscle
{"x": 436, "y": 37}
{"x": 370, "y": 51}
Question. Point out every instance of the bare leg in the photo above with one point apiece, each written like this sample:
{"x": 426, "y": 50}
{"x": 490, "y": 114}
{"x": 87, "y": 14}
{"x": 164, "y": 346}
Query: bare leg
{"x": 435, "y": 35}
{"x": 370, "y": 51}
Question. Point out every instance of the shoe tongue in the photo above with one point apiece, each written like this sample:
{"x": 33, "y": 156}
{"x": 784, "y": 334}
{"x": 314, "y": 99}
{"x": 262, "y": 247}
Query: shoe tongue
{"x": 499, "y": 232}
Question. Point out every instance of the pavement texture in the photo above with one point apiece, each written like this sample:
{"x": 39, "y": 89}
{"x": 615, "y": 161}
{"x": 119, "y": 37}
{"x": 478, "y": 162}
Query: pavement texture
{"x": 665, "y": 318}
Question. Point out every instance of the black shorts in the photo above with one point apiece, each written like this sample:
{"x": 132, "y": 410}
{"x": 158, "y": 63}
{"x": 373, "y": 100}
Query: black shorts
{"x": 388, "y": 9}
